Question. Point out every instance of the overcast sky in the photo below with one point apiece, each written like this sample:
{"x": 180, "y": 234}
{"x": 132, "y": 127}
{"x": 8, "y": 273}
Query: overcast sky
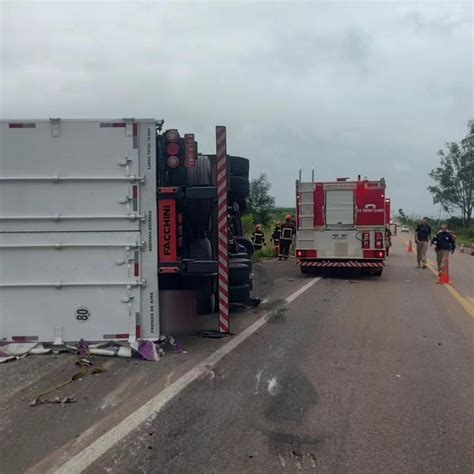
{"x": 374, "y": 88}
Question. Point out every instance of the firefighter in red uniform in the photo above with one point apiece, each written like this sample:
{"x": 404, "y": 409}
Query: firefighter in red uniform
{"x": 287, "y": 232}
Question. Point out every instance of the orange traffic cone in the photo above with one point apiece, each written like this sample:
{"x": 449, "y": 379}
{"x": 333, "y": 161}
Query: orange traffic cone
{"x": 410, "y": 247}
{"x": 444, "y": 273}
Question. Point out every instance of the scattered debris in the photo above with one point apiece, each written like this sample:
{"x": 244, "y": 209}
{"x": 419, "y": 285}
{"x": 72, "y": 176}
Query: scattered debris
{"x": 145, "y": 350}
{"x": 18, "y": 350}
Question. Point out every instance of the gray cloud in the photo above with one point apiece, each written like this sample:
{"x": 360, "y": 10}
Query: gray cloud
{"x": 348, "y": 88}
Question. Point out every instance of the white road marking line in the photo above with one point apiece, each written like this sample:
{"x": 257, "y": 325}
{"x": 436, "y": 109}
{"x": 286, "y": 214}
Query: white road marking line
{"x": 109, "y": 439}
{"x": 299, "y": 292}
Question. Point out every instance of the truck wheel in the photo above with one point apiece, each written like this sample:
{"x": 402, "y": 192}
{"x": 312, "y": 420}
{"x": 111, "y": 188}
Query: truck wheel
{"x": 238, "y": 255}
{"x": 238, "y": 273}
{"x": 244, "y": 260}
{"x": 306, "y": 270}
{"x": 239, "y": 185}
{"x": 239, "y": 166}
{"x": 244, "y": 242}
{"x": 239, "y": 293}
{"x": 376, "y": 273}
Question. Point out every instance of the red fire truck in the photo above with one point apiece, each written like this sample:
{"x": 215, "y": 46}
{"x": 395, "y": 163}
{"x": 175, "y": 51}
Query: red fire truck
{"x": 341, "y": 224}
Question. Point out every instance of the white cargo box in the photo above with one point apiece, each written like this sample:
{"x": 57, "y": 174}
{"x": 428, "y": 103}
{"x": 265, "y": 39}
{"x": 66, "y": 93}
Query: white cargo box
{"x": 78, "y": 256}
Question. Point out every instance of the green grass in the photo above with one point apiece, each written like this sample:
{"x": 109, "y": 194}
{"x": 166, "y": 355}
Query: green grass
{"x": 465, "y": 236}
{"x": 267, "y": 252}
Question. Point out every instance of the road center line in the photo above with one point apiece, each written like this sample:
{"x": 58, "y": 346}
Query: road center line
{"x": 100, "y": 446}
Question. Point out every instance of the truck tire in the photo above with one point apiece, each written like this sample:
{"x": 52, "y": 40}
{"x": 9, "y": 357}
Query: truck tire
{"x": 239, "y": 187}
{"x": 244, "y": 242}
{"x": 239, "y": 166}
{"x": 239, "y": 293}
{"x": 238, "y": 273}
{"x": 377, "y": 273}
{"x": 245, "y": 261}
{"x": 239, "y": 255}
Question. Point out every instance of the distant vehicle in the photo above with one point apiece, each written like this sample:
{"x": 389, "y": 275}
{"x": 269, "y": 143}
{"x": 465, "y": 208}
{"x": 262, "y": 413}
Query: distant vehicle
{"x": 404, "y": 228}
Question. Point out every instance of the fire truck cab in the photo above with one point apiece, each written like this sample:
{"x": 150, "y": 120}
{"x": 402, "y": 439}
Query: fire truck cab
{"x": 341, "y": 224}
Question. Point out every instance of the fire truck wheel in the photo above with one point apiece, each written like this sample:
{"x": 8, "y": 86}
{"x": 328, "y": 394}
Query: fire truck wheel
{"x": 307, "y": 270}
{"x": 376, "y": 273}
{"x": 239, "y": 166}
{"x": 244, "y": 242}
{"x": 239, "y": 185}
{"x": 238, "y": 273}
{"x": 239, "y": 293}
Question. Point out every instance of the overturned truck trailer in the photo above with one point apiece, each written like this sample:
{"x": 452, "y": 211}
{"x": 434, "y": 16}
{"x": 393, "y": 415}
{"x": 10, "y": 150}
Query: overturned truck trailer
{"x": 108, "y": 230}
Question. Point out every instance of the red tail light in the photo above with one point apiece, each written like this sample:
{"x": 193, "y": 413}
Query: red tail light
{"x": 379, "y": 240}
{"x": 365, "y": 240}
{"x": 313, "y": 253}
{"x": 379, "y": 254}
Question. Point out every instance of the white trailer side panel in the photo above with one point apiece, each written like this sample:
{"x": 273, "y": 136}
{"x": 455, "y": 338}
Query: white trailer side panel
{"x": 78, "y": 252}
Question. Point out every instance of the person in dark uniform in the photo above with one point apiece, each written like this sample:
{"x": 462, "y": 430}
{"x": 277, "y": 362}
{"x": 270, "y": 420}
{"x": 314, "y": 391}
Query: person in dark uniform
{"x": 287, "y": 232}
{"x": 388, "y": 240}
{"x": 422, "y": 239}
{"x": 258, "y": 237}
{"x": 444, "y": 243}
{"x": 276, "y": 237}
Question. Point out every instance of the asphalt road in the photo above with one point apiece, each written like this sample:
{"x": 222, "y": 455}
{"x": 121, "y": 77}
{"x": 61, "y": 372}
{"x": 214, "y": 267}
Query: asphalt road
{"x": 357, "y": 375}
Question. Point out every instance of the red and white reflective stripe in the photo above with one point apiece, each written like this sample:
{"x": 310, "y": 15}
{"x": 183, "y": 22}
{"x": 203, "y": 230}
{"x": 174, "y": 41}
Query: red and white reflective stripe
{"x": 24, "y": 338}
{"x": 327, "y": 264}
{"x": 113, "y": 125}
{"x": 21, "y": 125}
{"x": 222, "y": 175}
{"x": 135, "y": 135}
